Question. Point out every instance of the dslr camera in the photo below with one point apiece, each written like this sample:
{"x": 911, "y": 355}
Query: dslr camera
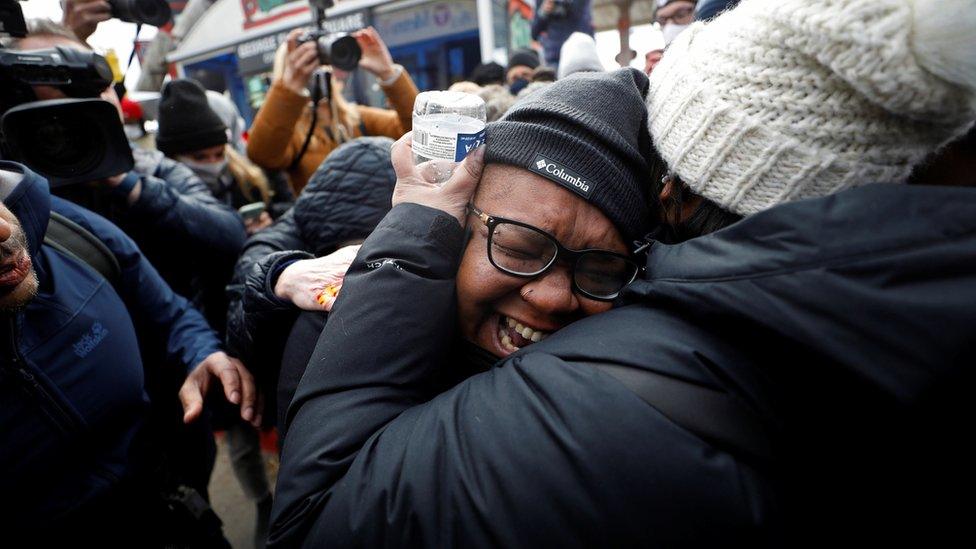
{"x": 149, "y": 12}
{"x": 72, "y": 140}
{"x": 338, "y": 49}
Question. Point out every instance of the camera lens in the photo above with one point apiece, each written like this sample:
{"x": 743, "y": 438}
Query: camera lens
{"x": 344, "y": 52}
{"x": 149, "y": 12}
{"x": 61, "y": 144}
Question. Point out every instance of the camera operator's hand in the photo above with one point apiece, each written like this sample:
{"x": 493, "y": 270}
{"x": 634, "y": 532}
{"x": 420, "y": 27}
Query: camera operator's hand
{"x": 376, "y": 56}
{"x": 238, "y": 385}
{"x": 452, "y": 197}
{"x": 82, "y": 16}
{"x": 300, "y": 62}
{"x": 116, "y": 180}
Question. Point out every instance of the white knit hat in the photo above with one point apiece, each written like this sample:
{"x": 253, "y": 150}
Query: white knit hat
{"x": 779, "y": 100}
{"x": 578, "y": 54}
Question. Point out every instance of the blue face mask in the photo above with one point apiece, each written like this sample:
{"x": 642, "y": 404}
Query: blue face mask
{"x": 518, "y": 85}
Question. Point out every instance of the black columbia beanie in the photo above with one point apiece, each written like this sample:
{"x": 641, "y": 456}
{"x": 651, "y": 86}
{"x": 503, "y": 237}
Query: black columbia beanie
{"x": 186, "y": 121}
{"x": 587, "y": 133}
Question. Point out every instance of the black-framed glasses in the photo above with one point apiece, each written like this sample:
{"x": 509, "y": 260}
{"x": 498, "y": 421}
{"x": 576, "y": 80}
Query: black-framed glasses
{"x": 519, "y": 249}
{"x": 682, "y": 15}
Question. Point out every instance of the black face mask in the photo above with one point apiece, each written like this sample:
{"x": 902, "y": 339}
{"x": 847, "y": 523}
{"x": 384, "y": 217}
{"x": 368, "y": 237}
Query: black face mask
{"x": 518, "y": 85}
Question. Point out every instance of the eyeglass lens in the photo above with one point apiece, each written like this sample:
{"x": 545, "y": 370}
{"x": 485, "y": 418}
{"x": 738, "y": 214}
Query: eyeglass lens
{"x": 527, "y": 252}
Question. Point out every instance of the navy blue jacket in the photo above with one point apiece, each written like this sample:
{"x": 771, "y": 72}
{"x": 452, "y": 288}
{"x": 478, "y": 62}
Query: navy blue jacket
{"x": 189, "y": 236}
{"x": 846, "y": 325}
{"x": 553, "y": 31}
{"x": 73, "y": 404}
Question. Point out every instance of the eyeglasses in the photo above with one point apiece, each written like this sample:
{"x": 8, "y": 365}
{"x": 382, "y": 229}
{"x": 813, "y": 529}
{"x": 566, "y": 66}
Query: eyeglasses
{"x": 522, "y": 250}
{"x": 681, "y": 15}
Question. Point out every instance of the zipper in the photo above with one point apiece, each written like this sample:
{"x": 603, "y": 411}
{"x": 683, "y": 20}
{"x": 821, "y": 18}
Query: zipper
{"x": 51, "y": 406}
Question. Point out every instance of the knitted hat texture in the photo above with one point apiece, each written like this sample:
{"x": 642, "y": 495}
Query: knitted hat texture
{"x": 779, "y": 100}
{"x": 588, "y": 134}
{"x": 186, "y": 121}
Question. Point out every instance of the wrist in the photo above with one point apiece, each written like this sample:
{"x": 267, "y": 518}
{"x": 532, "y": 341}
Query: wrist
{"x": 388, "y": 75}
{"x": 123, "y": 188}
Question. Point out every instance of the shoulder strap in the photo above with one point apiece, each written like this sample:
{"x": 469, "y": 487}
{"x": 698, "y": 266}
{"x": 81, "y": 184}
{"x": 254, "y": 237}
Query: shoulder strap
{"x": 308, "y": 138}
{"x": 72, "y": 239}
{"x": 713, "y": 415}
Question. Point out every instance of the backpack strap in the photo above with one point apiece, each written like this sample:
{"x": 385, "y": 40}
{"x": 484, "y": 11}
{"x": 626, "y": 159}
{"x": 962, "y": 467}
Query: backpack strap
{"x": 73, "y": 240}
{"x": 710, "y": 414}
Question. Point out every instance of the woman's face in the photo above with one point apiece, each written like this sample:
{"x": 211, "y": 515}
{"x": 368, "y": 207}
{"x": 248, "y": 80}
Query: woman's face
{"x": 489, "y": 301}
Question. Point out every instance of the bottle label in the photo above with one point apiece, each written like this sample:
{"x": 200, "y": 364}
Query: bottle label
{"x": 445, "y": 146}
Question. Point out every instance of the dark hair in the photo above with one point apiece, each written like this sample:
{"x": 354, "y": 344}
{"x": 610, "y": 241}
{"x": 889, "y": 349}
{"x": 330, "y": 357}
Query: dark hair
{"x": 544, "y": 74}
{"x": 707, "y": 218}
{"x": 488, "y": 73}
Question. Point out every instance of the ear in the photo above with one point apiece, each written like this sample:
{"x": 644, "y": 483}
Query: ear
{"x": 667, "y": 190}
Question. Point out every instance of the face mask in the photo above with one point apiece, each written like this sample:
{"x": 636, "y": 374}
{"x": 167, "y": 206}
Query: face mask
{"x": 671, "y": 31}
{"x": 209, "y": 172}
{"x": 518, "y": 85}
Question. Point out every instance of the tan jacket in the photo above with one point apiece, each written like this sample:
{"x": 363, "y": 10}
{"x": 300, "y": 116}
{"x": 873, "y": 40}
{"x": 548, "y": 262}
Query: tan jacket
{"x": 280, "y": 127}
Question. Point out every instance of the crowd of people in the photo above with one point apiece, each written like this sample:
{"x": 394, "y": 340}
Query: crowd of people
{"x": 727, "y": 300}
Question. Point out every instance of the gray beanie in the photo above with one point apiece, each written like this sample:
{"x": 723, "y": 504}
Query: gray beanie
{"x": 587, "y": 133}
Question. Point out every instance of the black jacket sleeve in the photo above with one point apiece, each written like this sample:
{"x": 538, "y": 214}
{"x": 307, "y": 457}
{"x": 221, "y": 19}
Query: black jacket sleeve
{"x": 254, "y": 310}
{"x": 178, "y": 204}
{"x": 538, "y": 452}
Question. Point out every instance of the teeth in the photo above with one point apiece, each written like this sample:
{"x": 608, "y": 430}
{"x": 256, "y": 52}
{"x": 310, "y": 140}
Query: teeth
{"x": 507, "y": 342}
{"x": 526, "y": 332}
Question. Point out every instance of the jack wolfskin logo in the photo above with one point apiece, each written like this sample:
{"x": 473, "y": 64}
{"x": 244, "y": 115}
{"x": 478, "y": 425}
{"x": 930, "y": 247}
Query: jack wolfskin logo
{"x": 89, "y": 341}
{"x": 562, "y": 175}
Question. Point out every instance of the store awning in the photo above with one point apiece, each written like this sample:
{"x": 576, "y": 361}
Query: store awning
{"x": 225, "y": 25}
{"x": 606, "y": 13}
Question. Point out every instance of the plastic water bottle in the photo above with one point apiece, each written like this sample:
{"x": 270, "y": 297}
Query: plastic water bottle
{"x": 446, "y": 127}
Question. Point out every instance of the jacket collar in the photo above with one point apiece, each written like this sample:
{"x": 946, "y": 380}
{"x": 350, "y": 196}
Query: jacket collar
{"x": 30, "y": 202}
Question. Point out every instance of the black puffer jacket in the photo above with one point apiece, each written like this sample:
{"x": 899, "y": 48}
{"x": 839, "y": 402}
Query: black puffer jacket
{"x": 345, "y": 199}
{"x": 845, "y": 327}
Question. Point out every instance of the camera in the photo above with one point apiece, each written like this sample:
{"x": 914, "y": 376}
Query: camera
{"x": 338, "y": 49}
{"x": 149, "y": 12}
{"x": 71, "y": 140}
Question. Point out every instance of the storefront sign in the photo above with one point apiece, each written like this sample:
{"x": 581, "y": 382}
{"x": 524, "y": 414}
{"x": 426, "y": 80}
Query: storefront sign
{"x": 257, "y": 55}
{"x": 427, "y": 21}
{"x": 262, "y": 12}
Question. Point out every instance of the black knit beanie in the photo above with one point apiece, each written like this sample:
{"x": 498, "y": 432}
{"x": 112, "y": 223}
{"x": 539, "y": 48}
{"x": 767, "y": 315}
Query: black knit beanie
{"x": 587, "y": 133}
{"x": 523, "y": 58}
{"x": 186, "y": 121}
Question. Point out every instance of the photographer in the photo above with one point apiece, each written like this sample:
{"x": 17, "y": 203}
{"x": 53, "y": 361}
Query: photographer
{"x": 186, "y": 233}
{"x": 555, "y": 20}
{"x": 283, "y": 136}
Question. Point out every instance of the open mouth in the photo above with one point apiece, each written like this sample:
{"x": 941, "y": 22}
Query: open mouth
{"x": 514, "y": 334}
{"x": 14, "y": 271}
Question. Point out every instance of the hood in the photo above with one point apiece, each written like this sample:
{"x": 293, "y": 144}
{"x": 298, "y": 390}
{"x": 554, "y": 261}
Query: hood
{"x": 348, "y": 195}
{"x": 878, "y": 282}
{"x": 30, "y": 202}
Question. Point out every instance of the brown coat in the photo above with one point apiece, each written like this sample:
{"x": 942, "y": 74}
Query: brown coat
{"x": 281, "y": 125}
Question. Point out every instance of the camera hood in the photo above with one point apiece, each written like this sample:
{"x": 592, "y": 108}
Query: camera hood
{"x": 67, "y": 140}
